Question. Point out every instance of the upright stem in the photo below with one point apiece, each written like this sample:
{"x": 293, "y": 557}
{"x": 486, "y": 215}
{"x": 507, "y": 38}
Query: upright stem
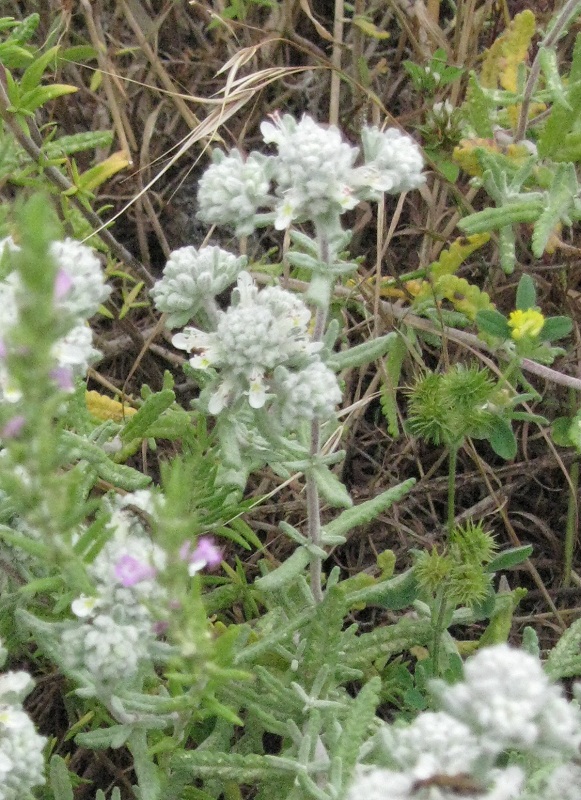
{"x": 571, "y": 529}
{"x": 313, "y": 502}
{"x": 452, "y": 461}
{"x": 572, "y": 524}
{"x": 314, "y": 515}
{"x": 439, "y": 612}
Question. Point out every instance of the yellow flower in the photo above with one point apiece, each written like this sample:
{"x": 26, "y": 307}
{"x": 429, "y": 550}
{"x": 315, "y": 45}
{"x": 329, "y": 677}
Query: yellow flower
{"x": 525, "y": 324}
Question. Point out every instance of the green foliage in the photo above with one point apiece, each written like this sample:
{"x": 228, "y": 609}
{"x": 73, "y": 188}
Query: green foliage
{"x": 437, "y": 74}
{"x": 564, "y": 660}
{"x": 265, "y": 682}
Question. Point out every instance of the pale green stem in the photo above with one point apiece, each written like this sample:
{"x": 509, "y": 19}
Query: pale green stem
{"x": 572, "y": 510}
{"x": 313, "y": 501}
{"x": 314, "y": 516}
{"x": 572, "y": 521}
{"x": 208, "y": 315}
{"x": 452, "y": 462}
{"x": 438, "y": 614}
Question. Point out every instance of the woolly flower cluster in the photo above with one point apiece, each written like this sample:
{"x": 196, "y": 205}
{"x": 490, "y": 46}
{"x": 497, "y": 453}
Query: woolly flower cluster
{"x": 79, "y": 291}
{"x": 509, "y": 702}
{"x": 261, "y": 351}
{"x": 314, "y": 174}
{"x": 505, "y": 703}
{"x": 233, "y": 189}
{"x": 116, "y": 629}
{"x": 21, "y": 758}
{"x": 192, "y": 277}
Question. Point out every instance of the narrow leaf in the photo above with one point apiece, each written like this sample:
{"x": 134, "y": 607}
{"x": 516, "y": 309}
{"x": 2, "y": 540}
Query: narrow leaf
{"x": 509, "y": 558}
{"x": 286, "y": 573}
{"x": 365, "y": 512}
{"x": 330, "y": 487}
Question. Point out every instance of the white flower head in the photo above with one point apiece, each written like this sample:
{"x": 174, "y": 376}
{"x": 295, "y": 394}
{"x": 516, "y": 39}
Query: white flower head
{"x": 233, "y": 189}
{"x": 21, "y": 757}
{"x": 14, "y": 686}
{"x": 110, "y": 651}
{"x": 75, "y": 350}
{"x": 312, "y": 170}
{"x": 393, "y": 163}
{"x": 125, "y": 569}
{"x": 306, "y": 394}
{"x": 434, "y": 744}
{"x": 509, "y": 702}
{"x": 373, "y": 783}
{"x": 564, "y": 783}
{"x": 86, "y": 289}
{"x": 259, "y": 332}
{"x": 192, "y": 276}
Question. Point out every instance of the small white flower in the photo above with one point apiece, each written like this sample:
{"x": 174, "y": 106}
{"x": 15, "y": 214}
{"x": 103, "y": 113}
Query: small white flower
{"x": 221, "y": 398}
{"x": 257, "y": 389}
{"x": 84, "y": 606}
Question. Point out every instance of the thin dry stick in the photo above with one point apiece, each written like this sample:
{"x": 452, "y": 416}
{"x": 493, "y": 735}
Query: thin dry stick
{"x": 336, "y": 62}
{"x": 161, "y": 73}
{"x": 120, "y": 121}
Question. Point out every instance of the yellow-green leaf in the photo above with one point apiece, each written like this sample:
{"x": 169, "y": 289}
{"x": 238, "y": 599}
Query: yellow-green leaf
{"x": 451, "y": 258}
{"x": 502, "y": 60}
{"x": 97, "y": 175}
{"x": 369, "y": 29}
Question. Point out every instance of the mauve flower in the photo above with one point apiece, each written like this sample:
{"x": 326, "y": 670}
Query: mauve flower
{"x": 63, "y": 284}
{"x": 205, "y": 554}
{"x": 13, "y": 427}
{"x": 129, "y": 571}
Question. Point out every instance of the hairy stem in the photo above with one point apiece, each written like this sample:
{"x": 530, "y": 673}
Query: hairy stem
{"x": 313, "y": 501}
{"x": 452, "y": 461}
{"x": 314, "y": 515}
{"x": 438, "y": 615}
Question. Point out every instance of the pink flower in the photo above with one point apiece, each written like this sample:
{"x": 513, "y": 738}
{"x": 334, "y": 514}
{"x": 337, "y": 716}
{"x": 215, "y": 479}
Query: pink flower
{"x": 63, "y": 377}
{"x": 63, "y": 284}
{"x": 13, "y": 427}
{"x": 129, "y": 571}
{"x": 205, "y": 554}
